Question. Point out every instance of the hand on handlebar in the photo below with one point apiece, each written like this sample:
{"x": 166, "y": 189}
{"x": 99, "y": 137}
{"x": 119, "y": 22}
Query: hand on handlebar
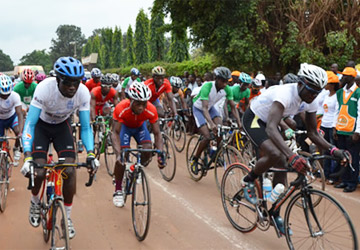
{"x": 343, "y": 156}
{"x": 298, "y": 163}
{"x": 93, "y": 163}
{"x": 25, "y": 169}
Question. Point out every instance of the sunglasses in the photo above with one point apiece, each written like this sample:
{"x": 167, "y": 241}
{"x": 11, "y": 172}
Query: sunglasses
{"x": 308, "y": 88}
{"x": 69, "y": 83}
{"x": 106, "y": 85}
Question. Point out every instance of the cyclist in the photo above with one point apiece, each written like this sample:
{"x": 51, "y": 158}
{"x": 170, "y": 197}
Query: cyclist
{"x": 26, "y": 88}
{"x": 135, "y": 73}
{"x": 95, "y": 79}
{"x": 176, "y": 84}
{"x": 261, "y": 122}
{"x": 205, "y": 112}
{"x": 129, "y": 120}
{"x": 116, "y": 81}
{"x": 55, "y": 99}
{"x": 52, "y": 73}
{"x": 158, "y": 85}
{"x": 11, "y": 115}
{"x": 101, "y": 96}
{"x": 255, "y": 88}
{"x": 241, "y": 93}
{"x": 40, "y": 77}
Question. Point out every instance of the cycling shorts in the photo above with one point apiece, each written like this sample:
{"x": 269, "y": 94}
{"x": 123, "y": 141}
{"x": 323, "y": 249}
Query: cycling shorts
{"x": 141, "y": 135}
{"x": 59, "y": 134}
{"x": 8, "y": 123}
{"x": 254, "y": 128}
{"x": 200, "y": 118}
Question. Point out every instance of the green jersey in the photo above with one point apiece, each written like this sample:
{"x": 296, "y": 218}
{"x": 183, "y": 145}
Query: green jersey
{"x": 26, "y": 94}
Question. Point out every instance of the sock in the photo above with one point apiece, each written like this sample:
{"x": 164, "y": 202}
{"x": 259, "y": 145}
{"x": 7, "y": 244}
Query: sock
{"x": 35, "y": 199}
{"x": 251, "y": 177}
{"x": 118, "y": 184}
{"x": 68, "y": 208}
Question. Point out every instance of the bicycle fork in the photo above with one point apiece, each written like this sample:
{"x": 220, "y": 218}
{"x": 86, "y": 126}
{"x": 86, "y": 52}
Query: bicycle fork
{"x": 309, "y": 212}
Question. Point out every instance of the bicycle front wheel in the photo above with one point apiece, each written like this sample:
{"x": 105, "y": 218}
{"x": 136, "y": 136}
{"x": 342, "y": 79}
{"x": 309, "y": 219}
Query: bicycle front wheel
{"x": 60, "y": 230}
{"x": 325, "y": 225}
{"x": 178, "y": 134}
{"x": 168, "y": 172}
{"x": 241, "y": 214}
{"x": 191, "y": 149}
{"x": 140, "y": 205}
{"x": 224, "y": 158}
{"x": 109, "y": 155}
{"x": 4, "y": 181}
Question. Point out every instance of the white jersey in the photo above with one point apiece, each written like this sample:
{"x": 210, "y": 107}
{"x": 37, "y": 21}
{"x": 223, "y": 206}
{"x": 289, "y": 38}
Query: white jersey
{"x": 287, "y": 95}
{"x": 7, "y": 107}
{"x": 55, "y": 107}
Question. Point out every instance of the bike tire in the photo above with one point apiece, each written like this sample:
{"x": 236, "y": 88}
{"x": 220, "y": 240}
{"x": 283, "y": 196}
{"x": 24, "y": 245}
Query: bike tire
{"x": 241, "y": 214}
{"x": 337, "y": 232}
{"x": 109, "y": 155}
{"x": 4, "y": 181}
{"x": 46, "y": 220}
{"x": 141, "y": 199}
{"x": 191, "y": 148}
{"x": 178, "y": 134}
{"x": 168, "y": 172}
{"x": 60, "y": 230}
{"x": 224, "y": 158}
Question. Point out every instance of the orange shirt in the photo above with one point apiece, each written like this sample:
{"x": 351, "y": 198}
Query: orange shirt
{"x": 165, "y": 87}
{"x": 90, "y": 84}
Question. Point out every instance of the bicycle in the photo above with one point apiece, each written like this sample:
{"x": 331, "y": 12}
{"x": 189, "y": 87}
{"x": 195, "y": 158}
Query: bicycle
{"x": 137, "y": 185}
{"x": 104, "y": 142}
{"x": 52, "y": 210}
{"x": 178, "y": 134}
{"x": 6, "y": 163}
{"x": 310, "y": 203}
{"x": 79, "y": 147}
{"x": 224, "y": 155}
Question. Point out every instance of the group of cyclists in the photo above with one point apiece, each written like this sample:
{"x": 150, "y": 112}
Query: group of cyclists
{"x": 135, "y": 107}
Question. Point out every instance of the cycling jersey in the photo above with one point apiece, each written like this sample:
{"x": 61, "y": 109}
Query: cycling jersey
{"x": 101, "y": 100}
{"x": 90, "y": 84}
{"x": 208, "y": 92}
{"x": 155, "y": 93}
{"x": 127, "y": 82}
{"x": 26, "y": 94}
{"x": 124, "y": 114}
{"x": 7, "y": 107}
{"x": 238, "y": 94}
{"x": 287, "y": 95}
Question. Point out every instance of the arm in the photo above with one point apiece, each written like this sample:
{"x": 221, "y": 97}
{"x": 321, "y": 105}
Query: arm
{"x": 29, "y": 129}
{"x": 246, "y": 103}
{"x": 122, "y": 94}
{"x": 226, "y": 112}
{"x": 20, "y": 116}
{"x": 183, "y": 103}
{"x": 116, "y": 98}
{"x": 235, "y": 113}
{"x": 171, "y": 102}
{"x": 86, "y": 131}
{"x": 205, "y": 109}
{"x": 92, "y": 106}
{"x": 116, "y": 138}
{"x": 157, "y": 134}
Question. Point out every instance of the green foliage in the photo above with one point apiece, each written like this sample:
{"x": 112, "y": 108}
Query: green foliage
{"x": 116, "y": 45}
{"x": 157, "y": 38}
{"x": 290, "y": 51}
{"x": 86, "y": 50}
{"x": 96, "y": 44}
{"x": 37, "y": 57}
{"x": 179, "y": 47}
{"x": 130, "y": 56}
{"x": 141, "y": 38}
{"x": 6, "y": 64}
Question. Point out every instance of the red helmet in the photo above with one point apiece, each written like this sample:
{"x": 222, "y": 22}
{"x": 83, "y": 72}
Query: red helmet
{"x": 27, "y": 75}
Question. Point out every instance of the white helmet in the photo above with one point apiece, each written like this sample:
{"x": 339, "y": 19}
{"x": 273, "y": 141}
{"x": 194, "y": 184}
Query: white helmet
{"x": 6, "y": 85}
{"x": 176, "y": 82}
{"x": 260, "y": 77}
{"x": 95, "y": 72}
{"x": 313, "y": 74}
{"x": 139, "y": 91}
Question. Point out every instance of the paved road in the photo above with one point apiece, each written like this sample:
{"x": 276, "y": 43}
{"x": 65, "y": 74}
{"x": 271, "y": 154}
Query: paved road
{"x": 185, "y": 215}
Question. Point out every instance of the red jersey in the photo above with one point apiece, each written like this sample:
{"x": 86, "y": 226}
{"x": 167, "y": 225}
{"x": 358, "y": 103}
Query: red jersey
{"x": 124, "y": 114}
{"x": 165, "y": 87}
{"x": 100, "y": 101}
{"x": 90, "y": 84}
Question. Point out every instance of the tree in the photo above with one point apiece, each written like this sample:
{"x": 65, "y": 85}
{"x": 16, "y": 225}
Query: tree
{"x": 6, "y": 63}
{"x": 130, "y": 59}
{"x": 86, "y": 50}
{"x": 106, "y": 41}
{"x": 141, "y": 38}
{"x": 37, "y": 57}
{"x": 69, "y": 38}
{"x": 96, "y": 44}
{"x": 157, "y": 38}
{"x": 116, "y": 53}
{"x": 179, "y": 47}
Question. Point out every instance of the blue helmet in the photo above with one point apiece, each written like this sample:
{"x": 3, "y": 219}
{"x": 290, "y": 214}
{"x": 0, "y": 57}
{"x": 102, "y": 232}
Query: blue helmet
{"x": 245, "y": 78}
{"x": 6, "y": 85}
{"x": 135, "y": 71}
{"x": 69, "y": 67}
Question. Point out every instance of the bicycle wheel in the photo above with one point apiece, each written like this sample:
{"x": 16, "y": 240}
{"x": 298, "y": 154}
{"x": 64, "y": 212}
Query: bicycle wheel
{"x": 241, "y": 214}
{"x": 224, "y": 158}
{"x": 325, "y": 226}
{"x": 178, "y": 134}
{"x": 60, "y": 230}
{"x": 191, "y": 148}
{"x": 109, "y": 155}
{"x": 4, "y": 181}
{"x": 168, "y": 172}
{"x": 140, "y": 206}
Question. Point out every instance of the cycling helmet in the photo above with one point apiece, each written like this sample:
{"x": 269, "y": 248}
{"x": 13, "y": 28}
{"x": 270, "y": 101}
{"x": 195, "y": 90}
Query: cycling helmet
{"x": 314, "y": 75}
{"x": 139, "y": 91}
{"x": 115, "y": 77}
{"x": 260, "y": 76}
{"x": 176, "y": 82}
{"x": 135, "y": 71}
{"x": 106, "y": 79}
{"x": 158, "y": 70}
{"x": 40, "y": 77}
{"x": 84, "y": 79}
{"x": 95, "y": 72}
{"x": 245, "y": 78}
{"x": 69, "y": 67}
{"x": 290, "y": 78}
{"x": 222, "y": 72}
{"x": 27, "y": 75}
{"x": 256, "y": 83}
{"x": 6, "y": 84}
{"x": 52, "y": 73}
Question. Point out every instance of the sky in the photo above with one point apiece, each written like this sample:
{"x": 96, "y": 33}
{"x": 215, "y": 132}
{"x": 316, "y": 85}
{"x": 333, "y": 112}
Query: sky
{"x": 30, "y": 25}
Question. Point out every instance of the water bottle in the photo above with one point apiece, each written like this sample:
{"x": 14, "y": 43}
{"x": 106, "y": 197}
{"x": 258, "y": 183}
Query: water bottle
{"x": 49, "y": 190}
{"x": 212, "y": 150}
{"x": 267, "y": 188}
{"x": 276, "y": 192}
